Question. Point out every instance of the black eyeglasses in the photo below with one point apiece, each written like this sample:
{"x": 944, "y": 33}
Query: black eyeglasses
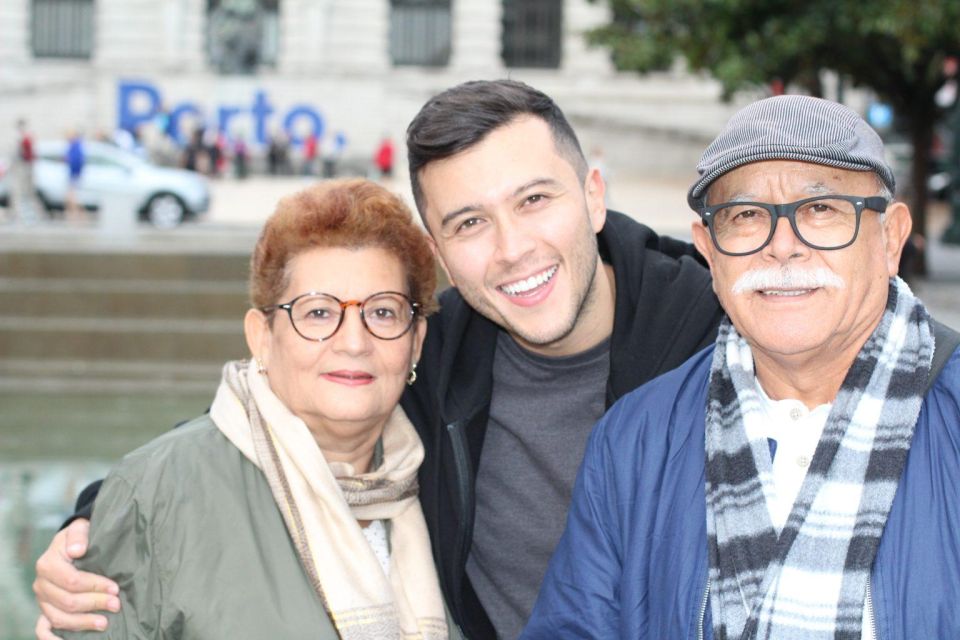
{"x": 823, "y": 222}
{"x": 317, "y": 316}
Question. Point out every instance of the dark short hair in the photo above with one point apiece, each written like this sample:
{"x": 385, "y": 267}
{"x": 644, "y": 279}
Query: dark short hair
{"x": 462, "y": 116}
{"x": 351, "y": 213}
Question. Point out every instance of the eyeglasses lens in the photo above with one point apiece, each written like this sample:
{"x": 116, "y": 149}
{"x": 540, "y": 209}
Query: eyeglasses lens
{"x": 385, "y": 315}
{"x": 825, "y": 223}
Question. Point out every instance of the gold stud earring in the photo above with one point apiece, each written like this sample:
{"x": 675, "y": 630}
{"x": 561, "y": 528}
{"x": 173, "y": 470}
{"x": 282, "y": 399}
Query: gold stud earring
{"x": 260, "y": 367}
{"x": 413, "y": 374}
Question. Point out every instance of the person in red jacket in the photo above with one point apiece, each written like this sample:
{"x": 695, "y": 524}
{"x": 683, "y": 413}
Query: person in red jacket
{"x": 23, "y": 194}
{"x": 309, "y": 154}
{"x": 384, "y": 158}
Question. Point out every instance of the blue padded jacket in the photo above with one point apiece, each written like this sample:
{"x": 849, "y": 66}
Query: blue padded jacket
{"x": 633, "y": 560}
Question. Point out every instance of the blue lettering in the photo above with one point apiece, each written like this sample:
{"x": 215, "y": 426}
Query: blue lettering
{"x": 224, "y": 116}
{"x": 130, "y": 92}
{"x": 298, "y": 112}
{"x": 139, "y": 102}
{"x": 260, "y": 110}
{"x": 176, "y": 113}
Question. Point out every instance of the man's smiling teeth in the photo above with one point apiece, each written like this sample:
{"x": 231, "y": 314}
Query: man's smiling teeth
{"x": 781, "y": 292}
{"x": 524, "y": 286}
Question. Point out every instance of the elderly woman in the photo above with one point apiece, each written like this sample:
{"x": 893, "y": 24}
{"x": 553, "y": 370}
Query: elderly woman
{"x": 291, "y": 510}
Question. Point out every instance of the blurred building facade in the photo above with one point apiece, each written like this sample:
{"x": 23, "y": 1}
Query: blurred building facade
{"x": 354, "y": 68}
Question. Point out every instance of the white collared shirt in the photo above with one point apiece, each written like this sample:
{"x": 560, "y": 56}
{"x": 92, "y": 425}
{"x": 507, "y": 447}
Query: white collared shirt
{"x": 796, "y": 431}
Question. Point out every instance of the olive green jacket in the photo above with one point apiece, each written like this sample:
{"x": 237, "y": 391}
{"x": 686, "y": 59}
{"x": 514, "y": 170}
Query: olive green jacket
{"x": 189, "y": 529}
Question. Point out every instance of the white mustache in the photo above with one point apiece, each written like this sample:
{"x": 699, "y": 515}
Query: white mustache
{"x": 786, "y": 278}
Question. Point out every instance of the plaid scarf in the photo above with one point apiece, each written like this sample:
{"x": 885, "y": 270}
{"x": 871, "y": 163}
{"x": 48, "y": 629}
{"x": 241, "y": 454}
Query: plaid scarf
{"x": 810, "y": 580}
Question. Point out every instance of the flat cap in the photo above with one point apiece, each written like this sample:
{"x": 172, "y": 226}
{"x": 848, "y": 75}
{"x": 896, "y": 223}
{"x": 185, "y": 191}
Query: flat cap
{"x": 792, "y": 128}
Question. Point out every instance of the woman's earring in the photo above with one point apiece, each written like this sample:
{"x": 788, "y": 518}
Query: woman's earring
{"x": 413, "y": 374}
{"x": 260, "y": 368}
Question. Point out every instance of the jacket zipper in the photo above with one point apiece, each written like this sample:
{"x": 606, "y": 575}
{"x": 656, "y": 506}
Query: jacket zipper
{"x": 462, "y": 461}
{"x": 703, "y": 611}
{"x": 871, "y": 614}
{"x": 871, "y": 618}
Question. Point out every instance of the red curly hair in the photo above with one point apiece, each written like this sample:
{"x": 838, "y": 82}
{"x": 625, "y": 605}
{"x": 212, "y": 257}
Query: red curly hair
{"x": 352, "y": 213}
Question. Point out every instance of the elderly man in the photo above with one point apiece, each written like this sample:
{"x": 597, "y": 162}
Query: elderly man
{"x": 800, "y": 479}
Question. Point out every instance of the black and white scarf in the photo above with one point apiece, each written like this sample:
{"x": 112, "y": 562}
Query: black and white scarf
{"x": 809, "y": 581}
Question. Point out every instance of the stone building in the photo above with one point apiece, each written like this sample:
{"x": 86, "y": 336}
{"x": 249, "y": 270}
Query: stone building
{"x": 358, "y": 68}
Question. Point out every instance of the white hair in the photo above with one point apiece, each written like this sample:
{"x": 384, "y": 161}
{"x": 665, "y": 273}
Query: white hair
{"x": 786, "y": 277}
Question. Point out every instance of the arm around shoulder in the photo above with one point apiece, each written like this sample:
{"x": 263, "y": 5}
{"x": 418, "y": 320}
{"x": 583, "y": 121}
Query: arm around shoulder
{"x": 122, "y": 547}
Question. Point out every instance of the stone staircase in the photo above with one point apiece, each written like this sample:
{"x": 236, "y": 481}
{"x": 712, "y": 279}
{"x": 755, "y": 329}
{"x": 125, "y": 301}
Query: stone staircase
{"x": 119, "y": 322}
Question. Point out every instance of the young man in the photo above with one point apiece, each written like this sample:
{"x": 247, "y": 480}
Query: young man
{"x": 800, "y": 479}
{"x": 559, "y": 308}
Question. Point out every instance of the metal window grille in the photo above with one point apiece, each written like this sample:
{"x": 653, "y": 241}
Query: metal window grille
{"x": 420, "y": 32}
{"x": 532, "y": 33}
{"x": 61, "y": 28}
{"x": 242, "y": 35}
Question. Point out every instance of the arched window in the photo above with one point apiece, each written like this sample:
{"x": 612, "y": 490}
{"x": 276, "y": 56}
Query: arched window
{"x": 242, "y": 35}
{"x": 532, "y": 33}
{"x": 420, "y": 32}
{"x": 61, "y": 28}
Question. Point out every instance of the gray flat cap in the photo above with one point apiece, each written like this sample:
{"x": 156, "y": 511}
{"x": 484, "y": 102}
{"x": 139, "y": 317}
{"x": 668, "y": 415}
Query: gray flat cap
{"x": 792, "y": 128}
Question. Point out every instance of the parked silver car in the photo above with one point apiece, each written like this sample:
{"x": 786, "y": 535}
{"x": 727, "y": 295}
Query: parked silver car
{"x": 161, "y": 195}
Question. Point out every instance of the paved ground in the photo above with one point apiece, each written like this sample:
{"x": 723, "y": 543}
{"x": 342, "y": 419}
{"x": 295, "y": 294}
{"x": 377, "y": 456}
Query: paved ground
{"x": 239, "y": 208}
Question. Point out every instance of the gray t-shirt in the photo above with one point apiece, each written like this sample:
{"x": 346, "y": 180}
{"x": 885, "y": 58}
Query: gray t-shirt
{"x": 542, "y": 411}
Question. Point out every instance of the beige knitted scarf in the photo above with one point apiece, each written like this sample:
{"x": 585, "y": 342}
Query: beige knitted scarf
{"x": 321, "y": 503}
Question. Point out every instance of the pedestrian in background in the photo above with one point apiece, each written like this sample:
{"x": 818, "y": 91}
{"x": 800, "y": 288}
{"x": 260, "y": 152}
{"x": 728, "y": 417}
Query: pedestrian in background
{"x": 384, "y": 158}
{"x": 23, "y": 199}
{"x": 194, "y": 156}
{"x": 309, "y": 154}
{"x": 212, "y": 146}
{"x": 278, "y": 154}
{"x": 76, "y": 159}
{"x": 332, "y": 154}
{"x": 240, "y": 157}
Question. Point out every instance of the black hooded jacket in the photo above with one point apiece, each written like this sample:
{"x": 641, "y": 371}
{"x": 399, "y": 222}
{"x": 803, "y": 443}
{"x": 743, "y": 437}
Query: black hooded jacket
{"x": 665, "y": 312}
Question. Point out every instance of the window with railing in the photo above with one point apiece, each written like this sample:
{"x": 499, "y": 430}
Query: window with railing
{"x": 61, "y": 28}
{"x": 242, "y": 35}
{"x": 420, "y": 32}
{"x": 532, "y": 33}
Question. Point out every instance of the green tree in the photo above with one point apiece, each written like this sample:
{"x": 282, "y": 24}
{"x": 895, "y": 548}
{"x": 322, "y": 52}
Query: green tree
{"x": 894, "y": 47}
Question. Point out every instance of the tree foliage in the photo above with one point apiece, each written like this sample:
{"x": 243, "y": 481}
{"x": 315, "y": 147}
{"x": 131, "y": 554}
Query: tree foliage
{"x": 894, "y": 47}
{"x": 891, "y": 46}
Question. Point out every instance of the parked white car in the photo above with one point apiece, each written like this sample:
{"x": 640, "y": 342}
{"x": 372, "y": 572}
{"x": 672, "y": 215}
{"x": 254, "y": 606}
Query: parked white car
{"x": 162, "y": 196}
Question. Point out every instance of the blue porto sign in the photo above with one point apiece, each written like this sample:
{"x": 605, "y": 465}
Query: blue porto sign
{"x": 140, "y": 102}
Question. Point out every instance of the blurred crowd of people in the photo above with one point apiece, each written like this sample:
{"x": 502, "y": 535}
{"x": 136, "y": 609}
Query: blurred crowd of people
{"x": 218, "y": 153}
{"x": 212, "y": 152}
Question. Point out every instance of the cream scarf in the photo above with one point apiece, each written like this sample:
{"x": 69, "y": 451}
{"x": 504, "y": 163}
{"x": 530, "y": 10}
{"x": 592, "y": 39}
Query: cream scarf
{"x": 321, "y": 503}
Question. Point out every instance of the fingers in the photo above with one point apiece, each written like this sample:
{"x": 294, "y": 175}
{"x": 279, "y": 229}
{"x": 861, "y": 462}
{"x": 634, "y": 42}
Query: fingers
{"x": 77, "y": 537}
{"x": 61, "y": 601}
{"x": 55, "y": 567}
{"x": 67, "y": 596}
{"x": 56, "y": 574}
{"x": 43, "y": 630}
{"x": 68, "y": 622}
{"x": 72, "y": 611}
